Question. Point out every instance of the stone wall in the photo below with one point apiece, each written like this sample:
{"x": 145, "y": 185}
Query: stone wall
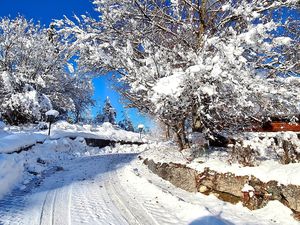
{"x": 227, "y": 186}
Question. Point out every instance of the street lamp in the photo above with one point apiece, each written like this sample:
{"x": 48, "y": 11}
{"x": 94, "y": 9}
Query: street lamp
{"x": 141, "y": 128}
{"x": 51, "y": 115}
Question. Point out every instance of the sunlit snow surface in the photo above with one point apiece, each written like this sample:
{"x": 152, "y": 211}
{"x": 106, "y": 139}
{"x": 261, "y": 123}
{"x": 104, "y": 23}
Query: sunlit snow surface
{"x": 63, "y": 181}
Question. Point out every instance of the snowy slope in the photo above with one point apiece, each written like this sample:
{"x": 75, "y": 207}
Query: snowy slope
{"x": 10, "y": 173}
{"x": 15, "y": 142}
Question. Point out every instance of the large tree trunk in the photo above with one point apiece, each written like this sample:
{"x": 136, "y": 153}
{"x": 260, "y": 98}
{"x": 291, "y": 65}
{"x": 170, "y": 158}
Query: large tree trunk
{"x": 167, "y": 132}
{"x": 181, "y": 135}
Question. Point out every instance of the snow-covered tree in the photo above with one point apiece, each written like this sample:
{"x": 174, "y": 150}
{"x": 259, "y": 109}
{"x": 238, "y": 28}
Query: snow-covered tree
{"x": 81, "y": 92}
{"x": 108, "y": 113}
{"x": 33, "y": 74}
{"x": 219, "y": 64}
{"x": 126, "y": 123}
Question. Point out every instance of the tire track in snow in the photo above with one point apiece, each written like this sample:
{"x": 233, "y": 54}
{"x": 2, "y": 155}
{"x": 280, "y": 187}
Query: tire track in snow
{"x": 81, "y": 210}
{"x": 132, "y": 210}
{"x": 61, "y": 206}
{"x": 11, "y": 209}
{"x": 47, "y": 209}
{"x": 87, "y": 191}
{"x": 90, "y": 201}
{"x": 14, "y": 206}
{"x": 149, "y": 205}
{"x": 137, "y": 206}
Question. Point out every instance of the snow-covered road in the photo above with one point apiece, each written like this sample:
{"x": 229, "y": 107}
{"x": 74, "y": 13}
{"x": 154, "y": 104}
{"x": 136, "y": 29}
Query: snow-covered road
{"x": 87, "y": 191}
{"x": 83, "y": 192}
{"x": 116, "y": 189}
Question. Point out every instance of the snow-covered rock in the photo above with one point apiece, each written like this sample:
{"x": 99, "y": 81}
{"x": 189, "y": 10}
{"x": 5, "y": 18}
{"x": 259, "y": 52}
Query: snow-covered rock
{"x": 248, "y": 189}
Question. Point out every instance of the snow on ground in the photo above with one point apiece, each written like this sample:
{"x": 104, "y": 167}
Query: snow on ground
{"x": 13, "y": 139}
{"x": 64, "y": 181}
{"x": 267, "y": 170}
{"x": 170, "y": 205}
{"x": 112, "y": 186}
{"x": 105, "y": 131}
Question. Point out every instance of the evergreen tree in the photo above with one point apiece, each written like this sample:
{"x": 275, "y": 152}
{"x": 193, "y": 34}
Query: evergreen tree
{"x": 108, "y": 113}
{"x": 126, "y": 123}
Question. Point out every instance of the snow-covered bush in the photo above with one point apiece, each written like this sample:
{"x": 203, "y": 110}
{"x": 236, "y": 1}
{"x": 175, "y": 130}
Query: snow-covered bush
{"x": 244, "y": 155}
{"x": 25, "y": 107}
{"x": 252, "y": 148}
{"x": 288, "y": 148}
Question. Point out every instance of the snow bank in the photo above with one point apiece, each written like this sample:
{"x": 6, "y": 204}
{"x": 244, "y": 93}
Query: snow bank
{"x": 10, "y": 173}
{"x": 218, "y": 161}
{"x": 17, "y": 170}
{"x": 267, "y": 171}
{"x": 14, "y": 142}
{"x": 105, "y": 131}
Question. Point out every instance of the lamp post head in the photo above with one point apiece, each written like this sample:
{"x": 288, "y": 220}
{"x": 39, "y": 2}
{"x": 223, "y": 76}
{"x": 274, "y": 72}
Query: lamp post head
{"x": 141, "y": 127}
{"x": 51, "y": 115}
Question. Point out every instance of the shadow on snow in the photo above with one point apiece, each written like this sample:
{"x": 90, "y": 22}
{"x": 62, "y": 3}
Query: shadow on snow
{"x": 79, "y": 169}
{"x": 210, "y": 220}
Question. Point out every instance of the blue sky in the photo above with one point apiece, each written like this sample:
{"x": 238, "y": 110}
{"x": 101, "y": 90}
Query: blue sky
{"x": 46, "y": 10}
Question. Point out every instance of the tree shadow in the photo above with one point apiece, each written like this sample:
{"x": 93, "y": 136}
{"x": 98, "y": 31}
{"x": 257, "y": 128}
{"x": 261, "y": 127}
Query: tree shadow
{"x": 55, "y": 177}
{"x": 211, "y": 220}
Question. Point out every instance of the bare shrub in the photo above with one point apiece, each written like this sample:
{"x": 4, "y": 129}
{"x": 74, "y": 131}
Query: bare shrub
{"x": 244, "y": 155}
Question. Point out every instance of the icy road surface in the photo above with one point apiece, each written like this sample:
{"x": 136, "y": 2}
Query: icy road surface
{"x": 115, "y": 189}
